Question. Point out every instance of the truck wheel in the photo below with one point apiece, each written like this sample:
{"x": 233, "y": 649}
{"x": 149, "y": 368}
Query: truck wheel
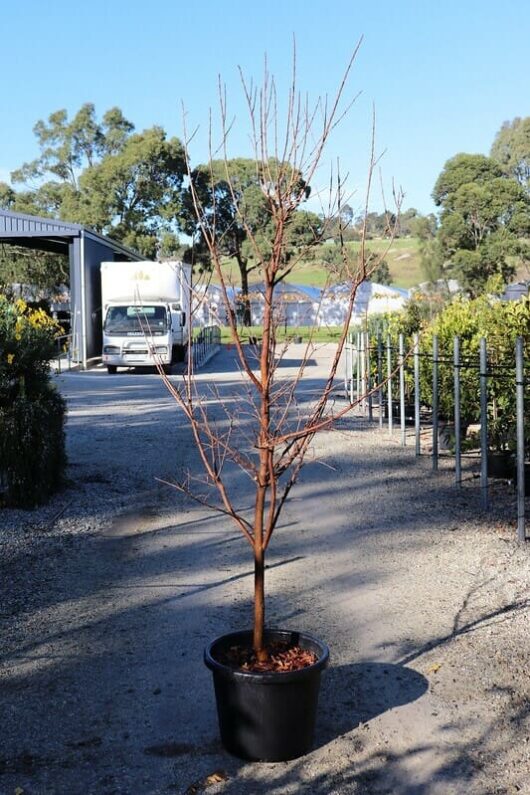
{"x": 178, "y": 353}
{"x": 112, "y": 369}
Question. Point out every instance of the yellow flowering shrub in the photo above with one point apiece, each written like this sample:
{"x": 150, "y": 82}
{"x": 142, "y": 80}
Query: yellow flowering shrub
{"x": 32, "y": 455}
{"x": 27, "y": 343}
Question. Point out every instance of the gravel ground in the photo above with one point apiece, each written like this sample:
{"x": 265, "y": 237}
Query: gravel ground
{"x": 112, "y": 590}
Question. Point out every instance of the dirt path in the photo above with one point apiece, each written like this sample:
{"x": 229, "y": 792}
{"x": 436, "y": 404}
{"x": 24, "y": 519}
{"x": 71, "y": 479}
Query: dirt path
{"x": 108, "y": 606}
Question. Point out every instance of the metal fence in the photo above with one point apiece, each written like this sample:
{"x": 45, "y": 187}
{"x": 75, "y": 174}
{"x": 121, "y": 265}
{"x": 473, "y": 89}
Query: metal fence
{"x": 65, "y": 357}
{"x": 205, "y": 344}
{"x": 389, "y": 389}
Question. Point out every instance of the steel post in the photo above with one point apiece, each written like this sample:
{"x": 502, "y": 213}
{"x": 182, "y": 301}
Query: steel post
{"x": 519, "y": 380}
{"x": 369, "y": 379}
{"x": 363, "y": 372}
{"x": 351, "y": 369}
{"x": 435, "y": 402}
{"x": 389, "y": 381}
{"x": 358, "y": 363}
{"x": 346, "y": 365}
{"x": 402, "y": 390}
{"x": 484, "y": 423}
{"x": 417, "y": 393}
{"x": 458, "y": 438}
{"x": 380, "y": 377}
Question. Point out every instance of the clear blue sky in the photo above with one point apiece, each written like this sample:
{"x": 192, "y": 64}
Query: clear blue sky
{"x": 443, "y": 75}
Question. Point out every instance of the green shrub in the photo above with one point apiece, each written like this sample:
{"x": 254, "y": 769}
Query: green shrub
{"x": 418, "y": 313}
{"x": 32, "y": 447}
{"x": 500, "y": 322}
{"x": 462, "y": 318}
{"x": 32, "y": 452}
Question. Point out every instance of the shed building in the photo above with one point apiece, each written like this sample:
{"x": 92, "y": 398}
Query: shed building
{"x": 86, "y": 250}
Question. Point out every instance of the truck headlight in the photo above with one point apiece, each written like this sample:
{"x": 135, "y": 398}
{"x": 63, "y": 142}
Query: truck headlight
{"x": 113, "y": 350}
{"x": 161, "y": 350}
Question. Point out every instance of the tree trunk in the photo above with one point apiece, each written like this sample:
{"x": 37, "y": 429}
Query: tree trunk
{"x": 259, "y": 600}
{"x": 246, "y": 316}
{"x": 263, "y": 482}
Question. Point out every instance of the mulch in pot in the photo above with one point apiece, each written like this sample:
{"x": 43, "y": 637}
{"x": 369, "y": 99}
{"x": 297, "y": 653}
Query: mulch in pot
{"x": 282, "y": 658}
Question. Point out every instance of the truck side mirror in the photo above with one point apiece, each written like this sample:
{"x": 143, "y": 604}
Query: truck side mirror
{"x": 183, "y": 319}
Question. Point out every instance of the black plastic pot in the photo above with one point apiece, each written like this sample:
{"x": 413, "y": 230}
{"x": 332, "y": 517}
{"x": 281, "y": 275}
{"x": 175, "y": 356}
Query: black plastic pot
{"x": 268, "y": 717}
{"x": 526, "y": 476}
{"x": 500, "y": 464}
{"x": 396, "y": 411}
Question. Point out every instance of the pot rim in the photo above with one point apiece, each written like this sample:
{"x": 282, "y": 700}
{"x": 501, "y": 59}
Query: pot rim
{"x": 266, "y": 677}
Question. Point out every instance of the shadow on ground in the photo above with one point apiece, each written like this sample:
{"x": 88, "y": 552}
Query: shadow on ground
{"x": 360, "y": 692}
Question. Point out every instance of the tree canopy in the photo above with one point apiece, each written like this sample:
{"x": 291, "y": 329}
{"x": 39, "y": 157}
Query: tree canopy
{"x": 134, "y": 187}
{"x": 511, "y": 149}
{"x": 463, "y": 169}
{"x": 484, "y": 215}
{"x": 101, "y": 173}
{"x": 133, "y": 194}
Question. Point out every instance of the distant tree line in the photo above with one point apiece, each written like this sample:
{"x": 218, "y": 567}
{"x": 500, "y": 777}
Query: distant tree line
{"x": 100, "y": 173}
{"x": 347, "y": 227}
{"x": 135, "y": 187}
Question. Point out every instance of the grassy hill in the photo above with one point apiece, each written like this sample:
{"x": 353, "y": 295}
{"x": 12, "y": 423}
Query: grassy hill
{"x": 403, "y": 259}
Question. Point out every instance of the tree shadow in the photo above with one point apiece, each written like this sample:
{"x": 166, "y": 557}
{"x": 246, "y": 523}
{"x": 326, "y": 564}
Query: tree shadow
{"x": 357, "y": 693}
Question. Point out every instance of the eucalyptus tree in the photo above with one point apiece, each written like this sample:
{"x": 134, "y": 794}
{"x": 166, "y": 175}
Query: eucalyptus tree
{"x": 485, "y": 215}
{"x": 511, "y": 149}
{"x": 102, "y": 173}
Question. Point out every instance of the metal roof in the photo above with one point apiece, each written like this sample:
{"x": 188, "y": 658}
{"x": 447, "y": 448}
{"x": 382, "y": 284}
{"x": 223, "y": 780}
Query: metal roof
{"x": 18, "y": 226}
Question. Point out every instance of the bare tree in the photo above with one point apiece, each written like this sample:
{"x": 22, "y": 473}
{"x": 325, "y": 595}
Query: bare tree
{"x": 270, "y": 437}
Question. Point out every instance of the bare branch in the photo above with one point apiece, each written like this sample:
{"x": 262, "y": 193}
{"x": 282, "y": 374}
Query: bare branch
{"x": 265, "y": 428}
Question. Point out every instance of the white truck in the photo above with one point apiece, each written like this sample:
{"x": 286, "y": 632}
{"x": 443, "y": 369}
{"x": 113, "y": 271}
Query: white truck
{"x": 146, "y": 313}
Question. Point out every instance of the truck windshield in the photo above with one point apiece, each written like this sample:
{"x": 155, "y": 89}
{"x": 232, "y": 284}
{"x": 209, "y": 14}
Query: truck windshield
{"x": 136, "y": 320}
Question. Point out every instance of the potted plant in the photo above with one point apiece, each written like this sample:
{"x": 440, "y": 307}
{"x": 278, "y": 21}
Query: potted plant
{"x": 266, "y": 680}
{"x": 501, "y": 439}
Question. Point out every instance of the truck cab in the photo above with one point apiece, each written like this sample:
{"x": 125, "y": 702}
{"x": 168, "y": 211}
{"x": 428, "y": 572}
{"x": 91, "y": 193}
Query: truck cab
{"x": 139, "y": 329}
